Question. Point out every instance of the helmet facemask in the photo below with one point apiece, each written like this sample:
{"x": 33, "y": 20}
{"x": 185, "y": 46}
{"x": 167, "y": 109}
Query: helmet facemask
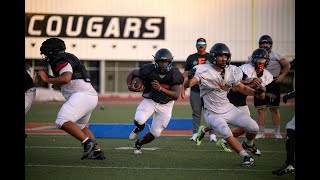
{"x": 260, "y": 59}
{"x": 163, "y": 70}
{"x": 51, "y": 47}
{"x": 223, "y": 64}
{"x": 163, "y": 54}
{"x": 260, "y": 64}
{"x": 220, "y": 49}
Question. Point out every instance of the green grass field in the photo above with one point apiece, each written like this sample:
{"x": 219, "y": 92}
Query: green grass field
{"x": 124, "y": 113}
{"x": 170, "y": 157}
{"x": 58, "y": 157}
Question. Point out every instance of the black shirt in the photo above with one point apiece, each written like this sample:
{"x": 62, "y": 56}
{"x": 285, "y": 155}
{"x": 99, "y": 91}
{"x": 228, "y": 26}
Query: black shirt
{"x": 148, "y": 73}
{"x": 193, "y": 60}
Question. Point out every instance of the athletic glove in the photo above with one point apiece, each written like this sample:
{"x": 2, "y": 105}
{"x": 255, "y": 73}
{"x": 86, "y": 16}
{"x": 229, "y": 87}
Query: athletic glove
{"x": 259, "y": 91}
{"x": 290, "y": 95}
{"x": 192, "y": 72}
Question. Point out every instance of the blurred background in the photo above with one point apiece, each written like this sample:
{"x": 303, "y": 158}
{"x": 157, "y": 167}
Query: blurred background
{"x": 112, "y": 37}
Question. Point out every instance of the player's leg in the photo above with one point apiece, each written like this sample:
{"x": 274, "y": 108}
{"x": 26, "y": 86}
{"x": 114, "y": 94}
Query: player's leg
{"x": 196, "y": 106}
{"x": 97, "y": 152}
{"x": 273, "y": 104}
{"x": 240, "y": 119}
{"x": 143, "y": 112}
{"x": 218, "y": 123}
{"x": 239, "y": 131}
{"x": 261, "y": 106}
{"x": 161, "y": 119}
{"x": 71, "y": 112}
{"x": 289, "y": 165}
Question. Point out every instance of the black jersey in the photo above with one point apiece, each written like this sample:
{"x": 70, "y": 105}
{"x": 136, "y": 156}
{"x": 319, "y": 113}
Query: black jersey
{"x": 193, "y": 60}
{"x": 148, "y": 73}
{"x": 28, "y": 82}
{"x": 237, "y": 98}
{"x": 61, "y": 60}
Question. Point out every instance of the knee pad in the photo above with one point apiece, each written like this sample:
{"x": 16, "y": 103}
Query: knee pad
{"x": 60, "y": 122}
{"x": 140, "y": 127}
{"x": 155, "y": 133}
{"x": 224, "y": 130}
{"x": 253, "y": 128}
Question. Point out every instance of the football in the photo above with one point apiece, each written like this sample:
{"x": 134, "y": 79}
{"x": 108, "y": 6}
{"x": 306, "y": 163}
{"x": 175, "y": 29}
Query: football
{"x": 137, "y": 82}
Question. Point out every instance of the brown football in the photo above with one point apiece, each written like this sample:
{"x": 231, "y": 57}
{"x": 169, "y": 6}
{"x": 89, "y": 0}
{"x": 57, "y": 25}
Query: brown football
{"x": 137, "y": 82}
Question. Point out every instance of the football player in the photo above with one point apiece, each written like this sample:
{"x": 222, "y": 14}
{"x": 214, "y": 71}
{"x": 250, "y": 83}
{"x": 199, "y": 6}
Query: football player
{"x": 162, "y": 86}
{"x": 254, "y": 75}
{"x": 81, "y": 98}
{"x": 289, "y": 164}
{"x": 215, "y": 80}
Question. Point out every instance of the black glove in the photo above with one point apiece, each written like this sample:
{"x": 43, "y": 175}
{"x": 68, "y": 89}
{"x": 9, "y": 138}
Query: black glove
{"x": 192, "y": 72}
{"x": 259, "y": 91}
{"x": 290, "y": 95}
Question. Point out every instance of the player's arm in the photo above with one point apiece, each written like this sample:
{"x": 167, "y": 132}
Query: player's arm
{"x": 183, "y": 93}
{"x": 64, "y": 78}
{"x": 65, "y": 71}
{"x": 132, "y": 74}
{"x": 190, "y": 80}
{"x": 286, "y": 68}
{"x": 174, "y": 92}
{"x": 291, "y": 94}
{"x": 259, "y": 92}
{"x": 255, "y": 83}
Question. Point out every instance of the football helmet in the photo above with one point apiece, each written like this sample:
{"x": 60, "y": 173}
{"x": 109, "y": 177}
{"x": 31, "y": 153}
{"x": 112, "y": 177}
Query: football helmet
{"x": 220, "y": 49}
{"x": 163, "y": 54}
{"x": 266, "y": 39}
{"x": 259, "y": 54}
{"x": 51, "y": 47}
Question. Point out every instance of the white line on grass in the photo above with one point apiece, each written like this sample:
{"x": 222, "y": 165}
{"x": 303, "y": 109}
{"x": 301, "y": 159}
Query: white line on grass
{"x": 148, "y": 149}
{"x": 146, "y": 168}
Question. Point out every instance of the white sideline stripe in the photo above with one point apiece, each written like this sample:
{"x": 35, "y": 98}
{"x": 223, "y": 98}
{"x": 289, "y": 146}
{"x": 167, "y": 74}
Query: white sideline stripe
{"x": 148, "y": 149}
{"x": 147, "y": 168}
{"x": 42, "y": 128}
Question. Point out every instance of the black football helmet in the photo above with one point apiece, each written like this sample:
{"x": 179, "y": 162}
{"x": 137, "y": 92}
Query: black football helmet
{"x": 266, "y": 39}
{"x": 51, "y": 48}
{"x": 163, "y": 54}
{"x": 220, "y": 49}
{"x": 257, "y": 54}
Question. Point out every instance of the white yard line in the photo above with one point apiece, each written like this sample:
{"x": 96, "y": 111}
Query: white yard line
{"x": 146, "y": 168}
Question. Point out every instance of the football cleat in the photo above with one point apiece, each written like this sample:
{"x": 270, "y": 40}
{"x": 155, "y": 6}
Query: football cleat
{"x": 284, "y": 169}
{"x": 98, "y": 155}
{"x": 224, "y": 146}
{"x": 200, "y": 135}
{"x": 247, "y": 161}
{"x": 193, "y": 138}
{"x": 134, "y": 134}
{"x": 88, "y": 147}
{"x": 253, "y": 149}
{"x": 137, "y": 148}
{"x": 277, "y": 135}
{"x": 213, "y": 138}
{"x": 260, "y": 135}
